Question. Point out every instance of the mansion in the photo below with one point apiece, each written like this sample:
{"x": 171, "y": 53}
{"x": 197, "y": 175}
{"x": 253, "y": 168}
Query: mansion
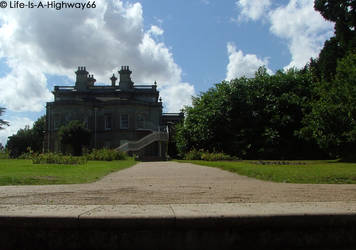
{"x": 121, "y": 116}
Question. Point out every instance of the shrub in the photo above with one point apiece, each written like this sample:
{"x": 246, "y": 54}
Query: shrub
{"x": 27, "y": 155}
{"x": 193, "y": 155}
{"x": 105, "y": 154}
{"x": 52, "y": 158}
{"x": 207, "y": 156}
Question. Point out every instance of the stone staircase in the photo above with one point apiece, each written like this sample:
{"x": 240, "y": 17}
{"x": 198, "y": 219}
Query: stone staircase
{"x": 137, "y": 146}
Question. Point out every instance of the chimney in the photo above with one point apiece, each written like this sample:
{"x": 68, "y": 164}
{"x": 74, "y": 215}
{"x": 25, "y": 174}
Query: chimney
{"x": 91, "y": 80}
{"x": 125, "y": 78}
{"x": 82, "y": 78}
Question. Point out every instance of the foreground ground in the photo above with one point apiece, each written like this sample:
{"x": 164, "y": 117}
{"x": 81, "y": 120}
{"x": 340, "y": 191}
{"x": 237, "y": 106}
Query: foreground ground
{"x": 174, "y": 183}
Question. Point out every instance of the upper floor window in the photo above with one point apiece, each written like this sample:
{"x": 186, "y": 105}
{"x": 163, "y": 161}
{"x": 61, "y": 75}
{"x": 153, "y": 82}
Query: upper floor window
{"x": 108, "y": 122}
{"x": 140, "y": 121}
{"x": 124, "y": 121}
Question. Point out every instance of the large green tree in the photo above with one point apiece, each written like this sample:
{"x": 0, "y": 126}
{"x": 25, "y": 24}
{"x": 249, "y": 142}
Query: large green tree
{"x": 73, "y": 137}
{"x": 343, "y": 14}
{"x": 18, "y": 143}
{"x": 332, "y": 121}
{"x": 251, "y": 118}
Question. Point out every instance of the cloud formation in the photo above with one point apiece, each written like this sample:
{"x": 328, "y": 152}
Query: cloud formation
{"x": 39, "y": 42}
{"x": 243, "y": 65}
{"x": 252, "y": 9}
{"x": 303, "y": 29}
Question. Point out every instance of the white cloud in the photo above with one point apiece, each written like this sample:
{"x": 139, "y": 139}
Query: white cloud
{"x": 252, "y": 9}
{"x": 16, "y": 123}
{"x": 40, "y": 42}
{"x": 304, "y": 29}
{"x": 155, "y": 30}
{"x": 243, "y": 65}
{"x": 179, "y": 96}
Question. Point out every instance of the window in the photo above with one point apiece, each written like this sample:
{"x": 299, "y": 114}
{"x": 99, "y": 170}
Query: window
{"x": 140, "y": 121}
{"x": 108, "y": 123}
{"x": 124, "y": 121}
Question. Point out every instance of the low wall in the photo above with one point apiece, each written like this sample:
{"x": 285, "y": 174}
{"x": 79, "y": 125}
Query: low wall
{"x": 168, "y": 227}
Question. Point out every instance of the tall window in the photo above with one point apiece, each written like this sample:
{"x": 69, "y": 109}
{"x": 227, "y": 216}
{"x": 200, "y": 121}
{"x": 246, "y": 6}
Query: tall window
{"x": 124, "y": 121}
{"x": 140, "y": 121}
{"x": 108, "y": 122}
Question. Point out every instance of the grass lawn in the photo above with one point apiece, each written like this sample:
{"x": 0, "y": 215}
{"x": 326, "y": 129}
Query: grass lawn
{"x": 23, "y": 172}
{"x": 331, "y": 172}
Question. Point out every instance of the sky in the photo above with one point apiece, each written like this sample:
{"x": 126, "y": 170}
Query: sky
{"x": 187, "y": 46}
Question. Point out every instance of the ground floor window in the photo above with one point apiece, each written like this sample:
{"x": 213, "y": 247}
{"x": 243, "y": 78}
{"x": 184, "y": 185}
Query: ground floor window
{"x": 108, "y": 122}
{"x": 124, "y": 121}
{"x": 140, "y": 121}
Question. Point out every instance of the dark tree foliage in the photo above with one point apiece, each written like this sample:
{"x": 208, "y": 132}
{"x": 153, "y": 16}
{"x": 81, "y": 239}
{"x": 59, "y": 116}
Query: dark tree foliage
{"x": 327, "y": 61}
{"x": 18, "y": 143}
{"x": 73, "y": 137}
{"x": 2, "y": 122}
{"x": 332, "y": 121}
{"x": 343, "y": 14}
{"x": 251, "y": 118}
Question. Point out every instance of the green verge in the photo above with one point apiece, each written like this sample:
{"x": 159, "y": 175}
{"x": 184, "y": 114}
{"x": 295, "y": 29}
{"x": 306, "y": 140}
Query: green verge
{"x": 313, "y": 172}
{"x": 23, "y": 172}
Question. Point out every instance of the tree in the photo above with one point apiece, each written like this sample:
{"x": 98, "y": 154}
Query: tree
{"x": 205, "y": 122}
{"x": 38, "y": 132}
{"x": 332, "y": 121}
{"x": 3, "y": 122}
{"x": 73, "y": 137}
{"x": 18, "y": 143}
{"x": 258, "y": 117}
{"x": 343, "y": 14}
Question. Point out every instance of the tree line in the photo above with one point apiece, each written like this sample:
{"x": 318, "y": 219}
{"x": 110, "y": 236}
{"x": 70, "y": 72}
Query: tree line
{"x": 306, "y": 113}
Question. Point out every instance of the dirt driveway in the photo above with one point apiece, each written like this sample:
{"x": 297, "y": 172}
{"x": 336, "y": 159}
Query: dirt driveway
{"x": 171, "y": 183}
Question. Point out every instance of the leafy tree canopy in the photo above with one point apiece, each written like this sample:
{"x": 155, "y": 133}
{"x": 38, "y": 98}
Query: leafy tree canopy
{"x": 18, "y": 143}
{"x": 250, "y": 118}
{"x": 74, "y": 136}
{"x": 332, "y": 121}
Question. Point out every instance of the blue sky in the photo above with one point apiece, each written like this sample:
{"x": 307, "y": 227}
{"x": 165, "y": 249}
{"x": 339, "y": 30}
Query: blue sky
{"x": 186, "y": 46}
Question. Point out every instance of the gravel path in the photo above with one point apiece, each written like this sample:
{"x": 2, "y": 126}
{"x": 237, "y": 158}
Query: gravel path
{"x": 174, "y": 183}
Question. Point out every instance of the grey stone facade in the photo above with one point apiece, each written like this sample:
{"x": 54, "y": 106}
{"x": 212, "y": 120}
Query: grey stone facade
{"x": 114, "y": 113}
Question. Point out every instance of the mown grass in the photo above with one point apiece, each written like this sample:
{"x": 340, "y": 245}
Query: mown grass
{"x": 327, "y": 172}
{"x": 23, "y": 172}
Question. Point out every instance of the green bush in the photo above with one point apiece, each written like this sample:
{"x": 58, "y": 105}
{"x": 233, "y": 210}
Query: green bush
{"x": 193, "y": 155}
{"x": 105, "y": 154}
{"x": 52, "y": 158}
{"x": 26, "y": 155}
{"x": 207, "y": 156}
